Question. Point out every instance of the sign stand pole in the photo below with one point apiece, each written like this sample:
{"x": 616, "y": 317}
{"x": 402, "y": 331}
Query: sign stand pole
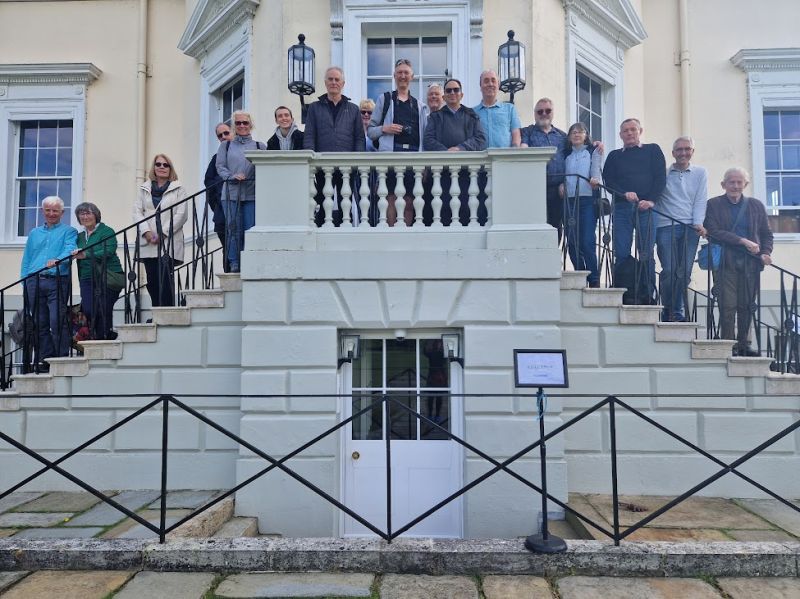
{"x": 544, "y": 542}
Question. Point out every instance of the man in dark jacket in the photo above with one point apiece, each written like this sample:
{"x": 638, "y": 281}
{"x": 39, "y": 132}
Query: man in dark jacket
{"x": 455, "y": 128}
{"x": 740, "y": 224}
{"x": 213, "y": 183}
{"x": 333, "y": 124}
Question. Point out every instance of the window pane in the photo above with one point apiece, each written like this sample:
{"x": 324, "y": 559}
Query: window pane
{"x": 401, "y": 363}
{"x": 584, "y": 117}
{"x": 48, "y": 134}
{"x": 772, "y": 157}
{"x": 404, "y": 423}
{"x": 790, "y": 124}
{"x": 773, "y": 191}
{"x": 65, "y": 192}
{"x": 368, "y": 426}
{"x": 27, "y": 163}
{"x": 47, "y": 187}
{"x": 435, "y": 406}
{"x": 46, "y": 163}
{"x": 28, "y": 193}
{"x": 64, "y": 166}
{"x": 434, "y": 367}
{"x": 27, "y": 221}
{"x": 29, "y": 132}
{"x": 791, "y": 155}
{"x": 771, "y": 125}
{"x": 596, "y": 96}
{"x": 379, "y": 57}
{"x": 376, "y": 87}
{"x": 407, "y": 48}
{"x": 596, "y": 132}
{"x": 64, "y": 134}
{"x": 434, "y": 56}
{"x": 368, "y": 369}
{"x": 791, "y": 191}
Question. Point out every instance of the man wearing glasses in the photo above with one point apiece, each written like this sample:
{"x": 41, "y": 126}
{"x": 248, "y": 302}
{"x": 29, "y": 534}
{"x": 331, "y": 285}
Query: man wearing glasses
{"x": 213, "y": 184}
{"x": 543, "y": 134}
{"x": 455, "y": 128}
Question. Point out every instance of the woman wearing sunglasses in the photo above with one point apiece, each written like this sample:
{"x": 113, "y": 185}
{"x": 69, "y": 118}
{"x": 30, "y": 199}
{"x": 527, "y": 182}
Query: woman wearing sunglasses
{"x": 160, "y": 238}
{"x": 239, "y": 189}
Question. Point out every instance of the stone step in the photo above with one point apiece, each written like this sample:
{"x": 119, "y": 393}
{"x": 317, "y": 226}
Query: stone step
{"x": 204, "y": 298}
{"x": 783, "y": 384}
{"x": 745, "y": 366}
{"x": 238, "y": 527}
{"x": 639, "y": 314}
{"x": 102, "y": 350}
{"x": 9, "y": 401}
{"x": 230, "y": 281}
{"x": 719, "y": 349}
{"x": 610, "y": 297}
{"x": 172, "y": 316}
{"x": 206, "y": 523}
{"x": 136, "y": 333}
{"x": 76, "y": 366}
{"x": 574, "y": 279}
{"x": 676, "y": 331}
{"x": 34, "y": 384}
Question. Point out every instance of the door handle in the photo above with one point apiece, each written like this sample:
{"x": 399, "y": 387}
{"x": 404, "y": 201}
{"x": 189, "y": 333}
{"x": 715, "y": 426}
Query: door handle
{"x": 356, "y": 455}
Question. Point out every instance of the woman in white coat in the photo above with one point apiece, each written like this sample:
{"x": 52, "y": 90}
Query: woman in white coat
{"x": 160, "y": 238}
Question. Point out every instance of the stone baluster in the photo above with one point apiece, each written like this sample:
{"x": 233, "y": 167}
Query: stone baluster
{"x": 363, "y": 193}
{"x": 455, "y": 193}
{"x": 488, "y": 201}
{"x": 347, "y": 192}
{"x": 400, "y": 200}
{"x": 383, "y": 191}
{"x": 312, "y": 196}
{"x": 436, "y": 191}
{"x": 473, "y": 195}
{"x": 327, "y": 192}
{"x": 419, "y": 203}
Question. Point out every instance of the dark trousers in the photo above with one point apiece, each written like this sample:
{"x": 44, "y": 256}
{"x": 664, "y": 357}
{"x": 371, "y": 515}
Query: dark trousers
{"x": 736, "y": 284}
{"x": 160, "y": 283}
{"x": 98, "y": 308}
{"x": 47, "y": 298}
{"x": 555, "y": 209}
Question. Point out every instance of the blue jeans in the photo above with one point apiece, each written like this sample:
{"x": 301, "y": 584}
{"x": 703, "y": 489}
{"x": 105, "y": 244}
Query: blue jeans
{"x": 676, "y": 245}
{"x": 580, "y": 220}
{"x": 239, "y": 217}
{"x": 47, "y": 300}
{"x": 627, "y": 218}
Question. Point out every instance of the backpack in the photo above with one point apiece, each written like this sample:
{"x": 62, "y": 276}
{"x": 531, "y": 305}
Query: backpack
{"x": 258, "y": 146}
{"x": 630, "y": 274}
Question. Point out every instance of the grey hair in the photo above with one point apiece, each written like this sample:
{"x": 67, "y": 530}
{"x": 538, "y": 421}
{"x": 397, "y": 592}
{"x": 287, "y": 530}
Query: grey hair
{"x": 480, "y": 78}
{"x": 686, "y": 138}
{"x": 243, "y": 113}
{"x": 631, "y": 120}
{"x": 736, "y": 169}
{"x": 334, "y": 68}
{"x": 87, "y": 207}
{"x": 221, "y": 124}
{"x": 53, "y": 200}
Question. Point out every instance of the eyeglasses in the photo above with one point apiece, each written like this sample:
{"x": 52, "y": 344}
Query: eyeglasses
{"x": 223, "y": 134}
{"x": 162, "y": 164}
{"x": 452, "y": 90}
{"x": 541, "y": 111}
{"x": 241, "y": 123}
{"x": 366, "y": 112}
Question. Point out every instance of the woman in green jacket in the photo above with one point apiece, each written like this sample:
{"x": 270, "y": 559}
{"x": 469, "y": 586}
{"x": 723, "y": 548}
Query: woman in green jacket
{"x": 99, "y": 271}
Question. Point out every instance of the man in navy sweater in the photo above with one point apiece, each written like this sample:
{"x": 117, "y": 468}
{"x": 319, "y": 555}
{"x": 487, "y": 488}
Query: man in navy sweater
{"x": 636, "y": 174}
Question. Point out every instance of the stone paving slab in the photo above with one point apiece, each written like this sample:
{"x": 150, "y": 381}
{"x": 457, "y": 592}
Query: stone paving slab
{"x": 47, "y": 584}
{"x": 174, "y": 585}
{"x": 585, "y": 587}
{"x": 516, "y": 587}
{"x": 9, "y": 502}
{"x": 409, "y": 586}
{"x": 130, "y": 529}
{"x": 24, "y": 519}
{"x": 681, "y": 535}
{"x": 59, "y": 533}
{"x": 695, "y": 512}
{"x": 273, "y": 585}
{"x": 7, "y": 532}
{"x": 189, "y": 500}
{"x": 761, "y": 588}
{"x": 62, "y": 501}
{"x": 777, "y": 536}
{"x": 9, "y": 578}
{"x": 775, "y": 512}
{"x": 106, "y": 515}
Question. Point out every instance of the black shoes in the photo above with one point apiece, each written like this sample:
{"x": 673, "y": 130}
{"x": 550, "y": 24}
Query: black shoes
{"x": 747, "y": 352}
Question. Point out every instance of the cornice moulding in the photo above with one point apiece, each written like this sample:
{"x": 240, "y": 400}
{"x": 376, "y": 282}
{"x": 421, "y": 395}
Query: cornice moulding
{"x": 83, "y": 73}
{"x": 767, "y": 59}
{"x": 628, "y": 32}
{"x": 213, "y": 20}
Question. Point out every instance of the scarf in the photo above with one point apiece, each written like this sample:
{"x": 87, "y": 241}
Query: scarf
{"x": 157, "y": 192}
{"x": 285, "y": 141}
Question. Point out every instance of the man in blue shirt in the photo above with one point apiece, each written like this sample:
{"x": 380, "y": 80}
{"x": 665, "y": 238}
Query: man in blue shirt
{"x": 499, "y": 119}
{"x": 47, "y": 293}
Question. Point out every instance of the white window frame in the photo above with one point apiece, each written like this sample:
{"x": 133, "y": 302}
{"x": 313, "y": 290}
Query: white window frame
{"x": 353, "y": 21}
{"x": 773, "y": 82}
{"x": 51, "y": 91}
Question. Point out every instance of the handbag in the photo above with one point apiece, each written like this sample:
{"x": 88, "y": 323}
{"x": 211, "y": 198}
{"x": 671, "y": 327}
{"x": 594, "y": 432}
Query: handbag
{"x": 710, "y": 256}
{"x": 115, "y": 281}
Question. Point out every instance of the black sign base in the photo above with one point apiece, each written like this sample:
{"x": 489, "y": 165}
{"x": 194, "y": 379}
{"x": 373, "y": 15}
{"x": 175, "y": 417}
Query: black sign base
{"x": 552, "y": 544}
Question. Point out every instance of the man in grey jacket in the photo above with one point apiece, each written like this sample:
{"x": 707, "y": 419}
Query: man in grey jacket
{"x": 333, "y": 124}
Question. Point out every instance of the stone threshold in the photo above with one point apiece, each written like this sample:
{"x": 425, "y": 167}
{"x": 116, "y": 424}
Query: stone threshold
{"x": 405, "y": 556}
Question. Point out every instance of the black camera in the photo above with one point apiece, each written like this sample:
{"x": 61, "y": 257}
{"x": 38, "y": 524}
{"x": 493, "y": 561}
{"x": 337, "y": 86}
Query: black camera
{"x": 407, "y": 129}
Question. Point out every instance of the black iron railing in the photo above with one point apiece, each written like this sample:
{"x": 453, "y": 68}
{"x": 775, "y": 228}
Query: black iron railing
{"x": 611, "y": 404}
